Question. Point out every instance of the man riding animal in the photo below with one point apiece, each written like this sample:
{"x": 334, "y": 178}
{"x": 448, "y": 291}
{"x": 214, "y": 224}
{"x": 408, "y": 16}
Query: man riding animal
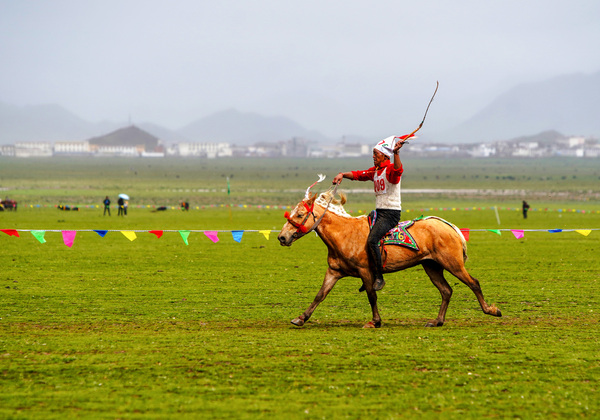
{"x": 386, "y": 175}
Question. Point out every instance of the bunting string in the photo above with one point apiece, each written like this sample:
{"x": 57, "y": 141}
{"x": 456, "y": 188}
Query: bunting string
{"x": 69, "y": 236}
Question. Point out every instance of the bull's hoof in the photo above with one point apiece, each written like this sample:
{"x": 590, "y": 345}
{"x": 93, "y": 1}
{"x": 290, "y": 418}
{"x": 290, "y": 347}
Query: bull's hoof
{"x": 434, "y": 323}
{"x": 494, "y": 311}
{"x": 372, "y": 324}
{"x": 298, "y": 322}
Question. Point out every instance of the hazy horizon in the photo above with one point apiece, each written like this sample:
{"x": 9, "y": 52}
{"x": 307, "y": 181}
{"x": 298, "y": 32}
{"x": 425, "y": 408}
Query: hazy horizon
{"x": 336, "y": 67}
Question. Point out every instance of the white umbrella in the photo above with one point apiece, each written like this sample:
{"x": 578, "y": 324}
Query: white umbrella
{"x": 124, "y": 196}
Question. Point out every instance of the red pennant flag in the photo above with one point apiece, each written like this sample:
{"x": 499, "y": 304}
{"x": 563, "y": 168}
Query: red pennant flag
{"x": 465, "y": 233}
{"x": 158, "y": 233}
{"x": 11, "y": 232}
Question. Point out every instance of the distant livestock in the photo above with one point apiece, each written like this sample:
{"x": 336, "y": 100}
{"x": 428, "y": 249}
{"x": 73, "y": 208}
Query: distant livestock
{"x": 67, "y": 208}
{"x": 8, "y": 205}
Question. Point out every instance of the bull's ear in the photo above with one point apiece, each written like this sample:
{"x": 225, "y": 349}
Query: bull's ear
{"x": 312, "y": 199}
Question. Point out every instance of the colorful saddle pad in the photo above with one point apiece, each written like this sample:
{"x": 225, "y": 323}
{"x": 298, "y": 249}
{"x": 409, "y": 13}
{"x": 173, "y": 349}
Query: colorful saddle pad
{"x": 398, "y": 235}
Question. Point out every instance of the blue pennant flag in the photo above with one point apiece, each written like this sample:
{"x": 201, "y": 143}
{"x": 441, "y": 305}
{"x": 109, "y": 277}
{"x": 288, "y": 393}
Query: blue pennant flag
{"x": 237, "y": 235}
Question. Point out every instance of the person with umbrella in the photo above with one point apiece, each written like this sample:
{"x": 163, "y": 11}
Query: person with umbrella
{"x": 121, "y": 203}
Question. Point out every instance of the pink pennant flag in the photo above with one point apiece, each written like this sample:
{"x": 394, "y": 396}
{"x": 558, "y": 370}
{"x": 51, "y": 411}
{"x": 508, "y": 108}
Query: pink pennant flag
{"x": 69, "y": 237}
{"x": 518, "y": 233}
{"x": 10, "y": 232}
{"x": 465, "y": 233}
{"x": 212, "y": 235}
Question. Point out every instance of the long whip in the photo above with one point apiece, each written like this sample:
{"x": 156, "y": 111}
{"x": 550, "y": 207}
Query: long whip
{"x": 437, "y": 85}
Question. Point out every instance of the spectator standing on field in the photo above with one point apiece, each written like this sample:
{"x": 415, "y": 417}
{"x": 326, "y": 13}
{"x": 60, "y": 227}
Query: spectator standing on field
{"x": 525, "y": 209}
{"x": 121, "y": 204}
{"x": 106, "y": 205}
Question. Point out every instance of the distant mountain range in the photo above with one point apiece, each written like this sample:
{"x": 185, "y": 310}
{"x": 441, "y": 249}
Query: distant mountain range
{"x": 569, "y": 104}
{"x": 46, "y": 123}
{"x": 232, "y": 126}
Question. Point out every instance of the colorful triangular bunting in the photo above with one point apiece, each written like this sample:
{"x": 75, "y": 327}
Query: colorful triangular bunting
{"x": 237, "y": 235}
{"x": 212, "y": 235}
{"x": 102, "y": 233}
{"x": 10, "y": 232}
{"x": 265, "y": 233}
{"x": 129, "y": 234}
{"x": 69, "y": 237}
{"x": 39, "y": 235}
{"x": 158, "y": 233}
{"x": 465, "y": 233}
{"x": 518, "y": 233}
{"x": 584, "y": 232}
{"x": 184, "y": 235}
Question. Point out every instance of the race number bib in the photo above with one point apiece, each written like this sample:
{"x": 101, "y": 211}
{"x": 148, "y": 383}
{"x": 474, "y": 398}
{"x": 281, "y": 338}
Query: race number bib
{"x": 380, "y": 185}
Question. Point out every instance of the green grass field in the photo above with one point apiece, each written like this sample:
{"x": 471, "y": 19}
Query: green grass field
{"x": 152, "y": 328}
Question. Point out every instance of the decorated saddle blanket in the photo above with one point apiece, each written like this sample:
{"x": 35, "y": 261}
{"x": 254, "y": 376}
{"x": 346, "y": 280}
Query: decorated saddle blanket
{"x": 398, "y": 235}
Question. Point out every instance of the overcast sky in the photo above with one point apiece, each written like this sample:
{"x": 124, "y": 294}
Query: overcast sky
{"x": 340, "y": 67}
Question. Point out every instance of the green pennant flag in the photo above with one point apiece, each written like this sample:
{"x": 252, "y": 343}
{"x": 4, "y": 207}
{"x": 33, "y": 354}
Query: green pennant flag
{"x": 184, "y": 235}
{"x": 39, "y": 235}
{"x": 228, "y": 187}
{"x": 496, "y": 231}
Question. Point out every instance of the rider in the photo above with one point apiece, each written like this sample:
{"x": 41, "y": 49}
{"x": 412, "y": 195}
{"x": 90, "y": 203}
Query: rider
{"x": 386, "y": 178}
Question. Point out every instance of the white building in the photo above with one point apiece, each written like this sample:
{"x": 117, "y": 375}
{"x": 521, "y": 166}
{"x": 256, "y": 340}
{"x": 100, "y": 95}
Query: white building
{"x": 7, "y": 150}
{"x": 209, "y": 150}
{"x": 576, "y": 141}
{"x": 124, "y": 151}
{"x": 72, "y": 148}
{"x": 482, "y": 150}
{"x": 33, "y": 149}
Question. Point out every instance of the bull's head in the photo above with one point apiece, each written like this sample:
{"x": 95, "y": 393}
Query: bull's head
{"x": 300, "y": 221}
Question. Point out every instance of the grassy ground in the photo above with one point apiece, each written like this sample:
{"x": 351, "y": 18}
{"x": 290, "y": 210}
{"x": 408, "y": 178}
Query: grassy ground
{"x": 277, "y": 181}
{"x": 156, "y": 329}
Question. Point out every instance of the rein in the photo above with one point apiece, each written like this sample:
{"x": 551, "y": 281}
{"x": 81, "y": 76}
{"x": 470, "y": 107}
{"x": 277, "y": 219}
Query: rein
{"x": 301, "y": 227}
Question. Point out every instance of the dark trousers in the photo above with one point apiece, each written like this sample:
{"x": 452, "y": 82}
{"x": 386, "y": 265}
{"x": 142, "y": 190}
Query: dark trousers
{"x": 386, "y": 220}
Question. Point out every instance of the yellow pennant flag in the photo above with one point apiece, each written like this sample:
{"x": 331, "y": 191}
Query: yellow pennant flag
{"x": 129, "y": 234}
{"x": 584, "y": 232}
{"x": 265, "y": 232}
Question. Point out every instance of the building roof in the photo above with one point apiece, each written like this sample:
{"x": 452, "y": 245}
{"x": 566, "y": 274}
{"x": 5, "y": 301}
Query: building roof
{"x": 128, "y": 136}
